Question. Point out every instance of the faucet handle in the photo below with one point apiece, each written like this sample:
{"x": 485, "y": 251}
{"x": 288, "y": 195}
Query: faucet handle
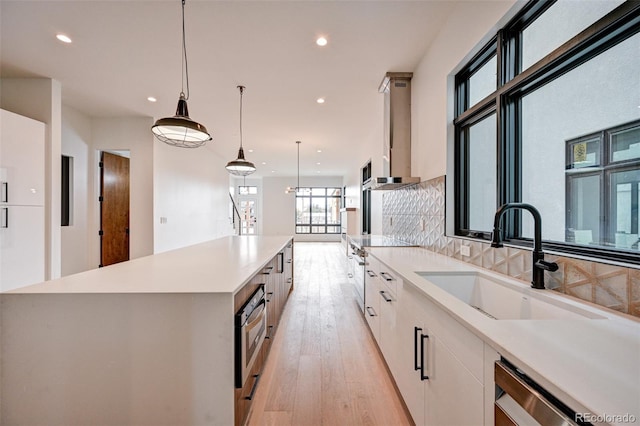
{"x": 547, "y": 266}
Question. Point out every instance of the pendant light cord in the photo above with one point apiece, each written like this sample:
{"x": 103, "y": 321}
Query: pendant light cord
{"x": 241, "y": 88}
{"x": 298, "y": 142}
{"x": 185, "y": 63}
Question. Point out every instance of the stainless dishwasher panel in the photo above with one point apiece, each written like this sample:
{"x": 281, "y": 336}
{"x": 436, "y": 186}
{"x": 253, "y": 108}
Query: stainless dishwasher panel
{"x": 520, "y": 401}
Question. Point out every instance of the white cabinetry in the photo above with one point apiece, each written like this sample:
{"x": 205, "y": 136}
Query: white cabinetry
{"x": 372, "y": 299}
{"x": 436, "y": 362}
{"x": 21, "y": 201}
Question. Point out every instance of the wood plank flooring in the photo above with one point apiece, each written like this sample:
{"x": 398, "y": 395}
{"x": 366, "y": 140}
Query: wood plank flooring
{"x": 324, "y": 367}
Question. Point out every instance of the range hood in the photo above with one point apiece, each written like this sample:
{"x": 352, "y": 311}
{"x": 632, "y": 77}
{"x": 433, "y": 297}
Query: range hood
{"x": 396, "y": 155}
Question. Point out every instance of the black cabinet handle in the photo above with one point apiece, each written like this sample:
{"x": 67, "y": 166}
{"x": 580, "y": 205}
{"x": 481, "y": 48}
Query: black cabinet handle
{"x": 417, "y": 331}
{"x": 385, "y": 297}
{"x": 371, "y": 273}
{"x": 423, "y": 376}
{"x": 288, "y": 260}
{"x": 267, "y": 270}
{"x": 387, "y": 276}
{"x": 370, "y": 310}
{"x": 289, "y": 280}
{"x": 253, "y": 387}
{"x": 5, "y": 192}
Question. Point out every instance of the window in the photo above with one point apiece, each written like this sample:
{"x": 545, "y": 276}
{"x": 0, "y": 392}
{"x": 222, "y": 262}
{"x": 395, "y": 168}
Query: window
{"x": 67, "y": 191}
{"x": 537, "y": 136}
{"x": 247, "y": 190}
{"x": 603, "y": 172}
{"x": 318, "y": 210}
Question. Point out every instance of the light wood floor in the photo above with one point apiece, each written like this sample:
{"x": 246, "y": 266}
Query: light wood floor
{"x": 324, "y": 367}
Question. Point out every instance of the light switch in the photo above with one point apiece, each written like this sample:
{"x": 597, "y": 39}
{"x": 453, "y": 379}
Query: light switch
{"x": 465, "y": 250}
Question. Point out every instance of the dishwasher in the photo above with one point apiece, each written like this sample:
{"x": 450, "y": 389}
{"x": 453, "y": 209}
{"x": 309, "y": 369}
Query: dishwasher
{"x": 521, "y": 401}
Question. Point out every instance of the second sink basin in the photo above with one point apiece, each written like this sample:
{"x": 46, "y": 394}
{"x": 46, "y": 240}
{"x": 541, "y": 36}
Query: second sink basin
{"x": 505, "y": 300}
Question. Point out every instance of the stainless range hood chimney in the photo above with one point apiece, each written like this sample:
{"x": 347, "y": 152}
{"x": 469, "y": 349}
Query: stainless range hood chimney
{"x": 396, "y": 156}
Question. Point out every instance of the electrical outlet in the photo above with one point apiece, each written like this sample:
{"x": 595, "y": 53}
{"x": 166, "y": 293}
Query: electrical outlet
{"x": 423, "y": 224}
{"x": 163, "y": 220}
{"x": 465, "y": 251}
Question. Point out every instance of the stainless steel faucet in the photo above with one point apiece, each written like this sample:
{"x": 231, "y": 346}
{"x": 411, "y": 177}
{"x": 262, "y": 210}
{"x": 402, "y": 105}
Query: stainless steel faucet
{"x": 539, "y": 264}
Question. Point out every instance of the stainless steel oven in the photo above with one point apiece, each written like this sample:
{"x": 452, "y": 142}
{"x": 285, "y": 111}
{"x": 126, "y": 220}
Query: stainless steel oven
{"x": 250, "y": 331}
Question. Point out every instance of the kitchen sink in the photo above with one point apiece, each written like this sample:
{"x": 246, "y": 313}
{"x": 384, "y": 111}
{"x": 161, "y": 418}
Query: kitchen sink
{"x": 504, "y": 299}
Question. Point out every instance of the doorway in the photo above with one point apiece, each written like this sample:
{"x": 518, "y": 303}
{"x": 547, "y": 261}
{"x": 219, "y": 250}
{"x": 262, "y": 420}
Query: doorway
{"x": 114, "y": 208}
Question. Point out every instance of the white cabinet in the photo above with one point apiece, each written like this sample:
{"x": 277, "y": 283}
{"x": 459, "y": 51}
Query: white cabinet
{"x": 22, "y": 215}
{"x": 21, "y": 246}
{"x": 387, "y": 293}
{"x": 372, "y": 298}
{"x": 436, "y": 362}
{"x": 21, "y": 160}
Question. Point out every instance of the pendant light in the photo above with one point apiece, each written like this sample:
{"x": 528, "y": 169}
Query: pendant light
{"x": 240, "y": 166}
{"x": 180, "y": 130}
{"x": 291, "y": 190}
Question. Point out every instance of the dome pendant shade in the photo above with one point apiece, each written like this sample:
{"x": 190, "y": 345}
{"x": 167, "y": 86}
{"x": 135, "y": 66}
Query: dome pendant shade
{"x": 180, "y": 130}
{"x": 240, "y": 166}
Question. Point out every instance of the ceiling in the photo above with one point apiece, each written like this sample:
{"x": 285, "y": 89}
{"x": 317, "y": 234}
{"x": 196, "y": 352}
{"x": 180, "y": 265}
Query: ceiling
{"x": 125, "y": 51}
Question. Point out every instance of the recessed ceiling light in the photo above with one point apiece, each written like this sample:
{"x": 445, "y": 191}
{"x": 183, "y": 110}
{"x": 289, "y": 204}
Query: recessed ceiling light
{"x": 318, "y": 171}
{"x": 320, "y": 100}
{"x": 151, "y": 99}
{"x": 63, "y": 38}
{"x": 321, "y": 41}
{"x": 318, "y": 164}
{"x": 319, "y": 150}
{"x": 273, "y": 171}
{"x": 250, "y": 150}
{"x": 264, "y": 162}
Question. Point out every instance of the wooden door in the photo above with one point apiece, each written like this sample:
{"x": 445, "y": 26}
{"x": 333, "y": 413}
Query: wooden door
{"x": 114, "y": 209}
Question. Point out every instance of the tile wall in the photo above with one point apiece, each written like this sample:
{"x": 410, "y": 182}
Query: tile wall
{"x": 416, "y": 214}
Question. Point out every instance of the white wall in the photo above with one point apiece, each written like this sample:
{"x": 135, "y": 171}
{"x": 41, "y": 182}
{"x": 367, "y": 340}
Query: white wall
{"x": 40, "y": 99}
{"x": 431, "y": 112}
{"x": 279, "y": 209}
{"x": 133, "y": 134}
{"x": 78, "y": 237}
{"x": 191, "y": 190}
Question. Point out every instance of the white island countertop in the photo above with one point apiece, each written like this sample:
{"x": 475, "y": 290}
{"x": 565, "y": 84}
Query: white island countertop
{"x": 223, "y": 265}
{"x": 593, "y": 364}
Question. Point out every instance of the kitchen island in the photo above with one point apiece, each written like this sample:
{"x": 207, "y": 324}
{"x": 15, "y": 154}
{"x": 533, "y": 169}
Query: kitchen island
{"x": 149, "y": 341}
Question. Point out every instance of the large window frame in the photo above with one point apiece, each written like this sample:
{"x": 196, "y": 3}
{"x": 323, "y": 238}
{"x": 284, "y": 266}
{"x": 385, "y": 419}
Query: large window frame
{"x": 309, "y": 227}
{"x": 513, "y": 84}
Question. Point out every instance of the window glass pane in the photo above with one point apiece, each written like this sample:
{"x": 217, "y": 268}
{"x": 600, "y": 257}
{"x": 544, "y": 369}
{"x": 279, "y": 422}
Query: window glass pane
{"x": 247, "y": 190}
{"x": 318, "y": 191}
{"x": 333, "y": 229}
{"x": 483, "y": 82}
{"x": 573, "y": 105}
{"x": 584, "y": 209}
{"x": 624, "y": 194}
{"x": 482, "y": 174}
{"x": 333, "y": 211}
{"x": 304, "y": 191}
{"x": 625, "y": 144}
{"x": 562, "y": 21}
{"x": 302, "y": 229}
{"x": 303, "y": 210}
{"x": 584, "y": 153}
{"x": 334, "y": 192}
{"x": 318, "y": 210}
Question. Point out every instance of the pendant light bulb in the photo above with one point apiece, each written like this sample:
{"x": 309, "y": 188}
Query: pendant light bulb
{"x": 180, "y": 130}
{"x": 240, "y": 166}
